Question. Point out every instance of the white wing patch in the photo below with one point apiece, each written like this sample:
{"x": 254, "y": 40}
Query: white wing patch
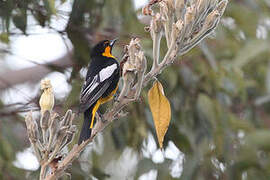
{"x": 90, "y": 85}
{"x": 107, "y": 72}
{"x": 100, "y": 77}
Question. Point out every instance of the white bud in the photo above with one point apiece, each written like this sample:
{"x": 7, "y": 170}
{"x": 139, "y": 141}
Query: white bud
{"x": 46, "y": 101}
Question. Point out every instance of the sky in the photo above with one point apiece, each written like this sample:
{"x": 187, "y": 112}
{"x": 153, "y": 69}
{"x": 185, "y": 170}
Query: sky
{"x": 43, "y": 46}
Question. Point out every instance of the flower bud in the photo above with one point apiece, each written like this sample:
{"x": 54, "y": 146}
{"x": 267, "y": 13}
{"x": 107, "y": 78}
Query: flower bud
{"x": 46, "y": 101}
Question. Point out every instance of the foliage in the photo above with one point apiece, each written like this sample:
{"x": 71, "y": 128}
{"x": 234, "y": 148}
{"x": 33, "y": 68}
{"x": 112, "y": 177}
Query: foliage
{"x": 219, "y": 94}
{"x": 161, "y": 110}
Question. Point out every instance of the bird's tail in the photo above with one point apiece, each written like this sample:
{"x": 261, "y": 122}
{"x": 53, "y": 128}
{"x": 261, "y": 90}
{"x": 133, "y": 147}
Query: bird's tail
{"x": 86, "y": 130}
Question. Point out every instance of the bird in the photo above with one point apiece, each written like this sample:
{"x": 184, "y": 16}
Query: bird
{"x": 100, "y": 85}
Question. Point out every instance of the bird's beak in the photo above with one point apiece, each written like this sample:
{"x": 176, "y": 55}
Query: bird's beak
{"x": 113, "y": 41}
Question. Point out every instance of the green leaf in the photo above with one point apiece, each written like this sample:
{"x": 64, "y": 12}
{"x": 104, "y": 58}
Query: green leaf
{"x": 239, "y": 124}
{"x": 5, "y": 150}
{"x": 40, "y": 17}
{"x": 20, "y": 21}
{"x": 191, "y": 167}
{"x": 206, "y": 107}
{"x": 4, "y": 37}
{"x": 250, "y": 51}
{"x": 50, "y": 6}
{"x": 259, "y": 139}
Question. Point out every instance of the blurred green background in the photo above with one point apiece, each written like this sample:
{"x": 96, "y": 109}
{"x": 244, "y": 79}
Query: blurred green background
{"x": 219, "y": 93}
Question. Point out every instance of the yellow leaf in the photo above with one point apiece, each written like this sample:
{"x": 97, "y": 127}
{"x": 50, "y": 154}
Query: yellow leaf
{"x": 161, "y": 110}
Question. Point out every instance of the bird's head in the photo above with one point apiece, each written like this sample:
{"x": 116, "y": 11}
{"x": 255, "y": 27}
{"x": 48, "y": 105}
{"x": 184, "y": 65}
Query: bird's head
{"x": 103, "y": 48}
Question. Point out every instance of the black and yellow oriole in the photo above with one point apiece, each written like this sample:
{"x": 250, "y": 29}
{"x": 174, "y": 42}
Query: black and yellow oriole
{"x": 100, "y": 84}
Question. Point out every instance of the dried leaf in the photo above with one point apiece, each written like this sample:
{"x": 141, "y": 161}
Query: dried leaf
{"x": 161, "y": 110}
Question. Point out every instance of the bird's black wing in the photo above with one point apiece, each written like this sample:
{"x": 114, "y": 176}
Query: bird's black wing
{"x": 96, "y": 85}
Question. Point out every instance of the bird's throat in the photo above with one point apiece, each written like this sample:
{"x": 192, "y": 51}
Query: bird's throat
{"x": 107, "y": 52}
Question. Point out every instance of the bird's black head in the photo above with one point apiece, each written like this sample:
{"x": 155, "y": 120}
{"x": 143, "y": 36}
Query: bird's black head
{"x": 103, "y": 48}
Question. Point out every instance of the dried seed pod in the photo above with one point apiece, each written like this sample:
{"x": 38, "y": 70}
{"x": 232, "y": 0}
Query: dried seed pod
{"x": 69, "y": 137}
{"x": 44, "y": 121}
{"x": 53, "y": 128}
{"x": 28, "y": 119}
{"x": 176, "y": 29}
{"x": 201, "y": 6}
{"x": 139, "y": 61}
{"x": 190, "y": 15}
{"x": 147, "y": 11}
{"x": 31, "y": 127}
{"x": 167, "y": 8}
{"x": 34, "y": 131}
{"x": 156, "y": 24}
{"x": 61, "y": 134}
{"x": 211, "y": 19}
{"x": 67, "y": 118}
{"x": 128, "y": 67}
{"x": 222, "y": 6}
{"x": 180, "y": 8}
